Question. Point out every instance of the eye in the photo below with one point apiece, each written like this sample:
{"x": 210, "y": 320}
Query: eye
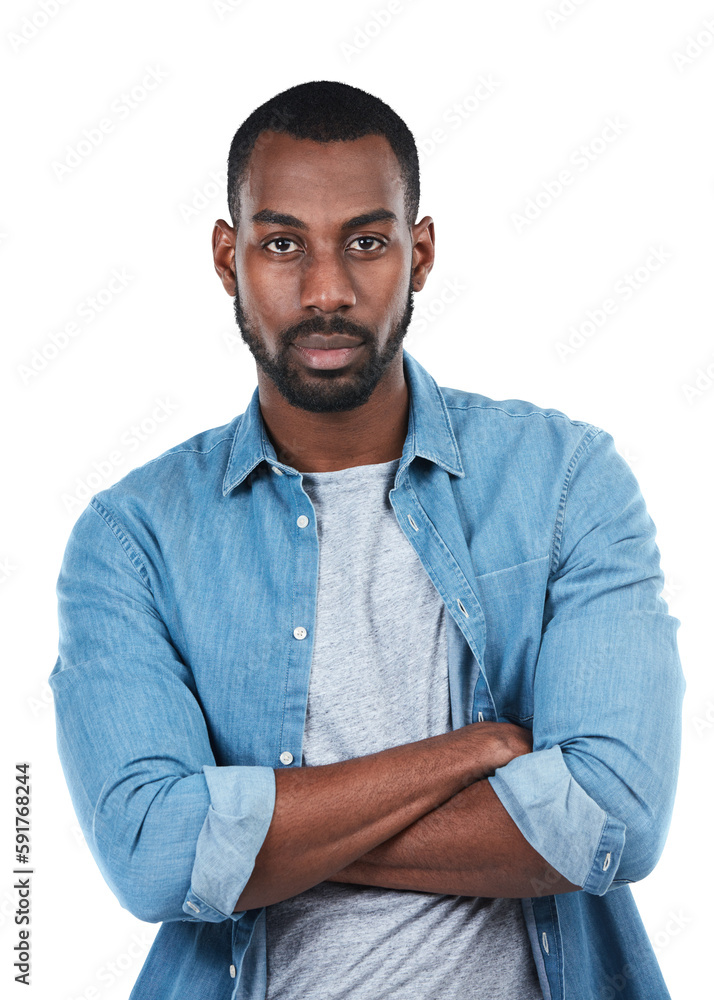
{"x": 282, "y": 245}
{"x": 374, "y": 243}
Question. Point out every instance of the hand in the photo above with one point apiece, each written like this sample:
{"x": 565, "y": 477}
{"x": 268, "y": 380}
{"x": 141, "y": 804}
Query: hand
{"x": 516, "y": 739}
{"x": 494, "y": 744}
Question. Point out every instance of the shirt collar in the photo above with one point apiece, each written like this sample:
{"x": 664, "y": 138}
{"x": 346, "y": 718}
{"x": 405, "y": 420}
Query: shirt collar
{"x": 429, "y": 434}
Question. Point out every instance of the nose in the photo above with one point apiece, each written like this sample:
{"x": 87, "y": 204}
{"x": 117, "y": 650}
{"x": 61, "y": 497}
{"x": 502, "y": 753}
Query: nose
{"x": 326, "y": 284}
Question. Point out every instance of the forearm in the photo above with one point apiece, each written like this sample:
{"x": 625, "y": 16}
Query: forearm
{"x": 327, "y": 816}
{"x": 468, "y": 846}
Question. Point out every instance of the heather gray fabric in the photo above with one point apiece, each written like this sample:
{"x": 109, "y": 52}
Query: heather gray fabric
{"x": 379, "y": 679}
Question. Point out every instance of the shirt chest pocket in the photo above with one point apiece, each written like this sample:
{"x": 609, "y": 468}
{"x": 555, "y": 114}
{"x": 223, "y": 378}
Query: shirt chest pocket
{"x": 512, "y": 600}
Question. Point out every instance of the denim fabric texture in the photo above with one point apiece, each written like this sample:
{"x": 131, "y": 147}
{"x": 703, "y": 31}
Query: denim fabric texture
{"x": 187, "y": 599}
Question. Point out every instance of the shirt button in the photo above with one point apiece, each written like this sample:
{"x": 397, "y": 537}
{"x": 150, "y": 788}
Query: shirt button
{"x": 286, "y": 757}
{"x": 299, "y": 632}
{"x": 275, "y": 469}
{"x": 232, "y": 970}
{"x": 302, "y": 521}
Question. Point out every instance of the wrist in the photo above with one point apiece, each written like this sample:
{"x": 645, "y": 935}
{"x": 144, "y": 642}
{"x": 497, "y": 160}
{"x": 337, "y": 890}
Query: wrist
{"x": 498, "y": 744}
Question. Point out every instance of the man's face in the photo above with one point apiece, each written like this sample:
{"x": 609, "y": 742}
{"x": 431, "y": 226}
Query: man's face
{"x": 307, "y": 264}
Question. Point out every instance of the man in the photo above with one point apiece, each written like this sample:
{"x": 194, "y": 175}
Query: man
{"x": 369, "y": 693}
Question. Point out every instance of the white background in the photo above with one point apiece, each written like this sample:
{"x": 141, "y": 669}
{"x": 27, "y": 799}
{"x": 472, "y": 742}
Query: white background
{"x": 144, "y": 201}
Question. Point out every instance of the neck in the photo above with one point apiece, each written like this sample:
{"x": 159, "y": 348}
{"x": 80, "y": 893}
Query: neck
{"x": 327, "y": 442}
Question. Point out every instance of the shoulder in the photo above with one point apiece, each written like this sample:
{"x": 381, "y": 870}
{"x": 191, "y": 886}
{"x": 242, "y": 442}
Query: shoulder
{"x": 503, "y": 422}
{"x": 189, "y": 469}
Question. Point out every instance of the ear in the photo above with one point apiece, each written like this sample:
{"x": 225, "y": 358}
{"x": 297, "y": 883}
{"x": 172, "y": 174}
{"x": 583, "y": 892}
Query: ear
{"x": 224, "y": 254}
{"x": 422, "y": 251}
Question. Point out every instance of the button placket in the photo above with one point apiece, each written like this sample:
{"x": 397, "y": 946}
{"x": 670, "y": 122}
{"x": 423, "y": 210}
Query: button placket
{"x": 448, "y": 578}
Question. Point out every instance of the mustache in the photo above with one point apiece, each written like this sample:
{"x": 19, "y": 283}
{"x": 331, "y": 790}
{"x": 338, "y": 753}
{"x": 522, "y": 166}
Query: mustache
{"x": 321, "y": 324}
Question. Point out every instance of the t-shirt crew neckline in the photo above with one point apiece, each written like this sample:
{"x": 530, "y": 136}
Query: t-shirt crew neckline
{"x": 357, "y": 469}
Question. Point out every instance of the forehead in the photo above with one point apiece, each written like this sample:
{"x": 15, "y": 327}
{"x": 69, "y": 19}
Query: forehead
{"x": 322, "y": 181}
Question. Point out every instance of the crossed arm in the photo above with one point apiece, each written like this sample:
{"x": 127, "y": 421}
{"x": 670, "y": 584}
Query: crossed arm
{"x": 469, "y": 846}
{"x": 419, "y": 817}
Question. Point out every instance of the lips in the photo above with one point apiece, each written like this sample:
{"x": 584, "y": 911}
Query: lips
{"x": 328, "y": 357}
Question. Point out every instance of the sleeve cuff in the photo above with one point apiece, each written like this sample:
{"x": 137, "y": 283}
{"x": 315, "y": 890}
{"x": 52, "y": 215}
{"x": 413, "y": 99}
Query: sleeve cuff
{"x": 560, "y": 820}
{"x": 242, "y": 799}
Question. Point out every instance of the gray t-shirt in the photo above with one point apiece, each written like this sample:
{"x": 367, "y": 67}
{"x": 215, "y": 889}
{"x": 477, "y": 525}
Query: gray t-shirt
{"x": 379, "y": 678}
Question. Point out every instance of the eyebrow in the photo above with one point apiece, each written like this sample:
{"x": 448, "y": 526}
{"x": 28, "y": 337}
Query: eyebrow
{"x": 272, "y": 218}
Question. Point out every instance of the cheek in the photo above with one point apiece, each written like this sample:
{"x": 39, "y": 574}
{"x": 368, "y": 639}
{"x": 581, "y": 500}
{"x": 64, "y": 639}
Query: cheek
{"x": 265, "y": 294}
{"x": 384, "y": 288}
{"x": 394, "y": 292}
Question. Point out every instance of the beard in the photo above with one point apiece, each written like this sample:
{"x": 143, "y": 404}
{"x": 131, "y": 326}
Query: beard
{"x": 325, "y": 390}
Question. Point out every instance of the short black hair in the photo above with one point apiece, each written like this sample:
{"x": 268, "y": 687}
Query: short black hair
{"x": 325, "y": 111}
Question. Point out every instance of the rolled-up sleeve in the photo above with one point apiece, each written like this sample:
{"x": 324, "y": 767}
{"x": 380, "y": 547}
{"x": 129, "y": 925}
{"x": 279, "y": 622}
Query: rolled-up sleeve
{"x": 595, "y": 796}
{"x": 174, "y": 835}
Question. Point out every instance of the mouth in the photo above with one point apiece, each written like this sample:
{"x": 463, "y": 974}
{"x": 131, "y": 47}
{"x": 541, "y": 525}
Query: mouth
{"x": 317, "y": 357}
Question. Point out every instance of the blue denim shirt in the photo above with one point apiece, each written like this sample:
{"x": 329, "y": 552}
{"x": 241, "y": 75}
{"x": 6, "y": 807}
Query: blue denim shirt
{"x": 182, "y": 678}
